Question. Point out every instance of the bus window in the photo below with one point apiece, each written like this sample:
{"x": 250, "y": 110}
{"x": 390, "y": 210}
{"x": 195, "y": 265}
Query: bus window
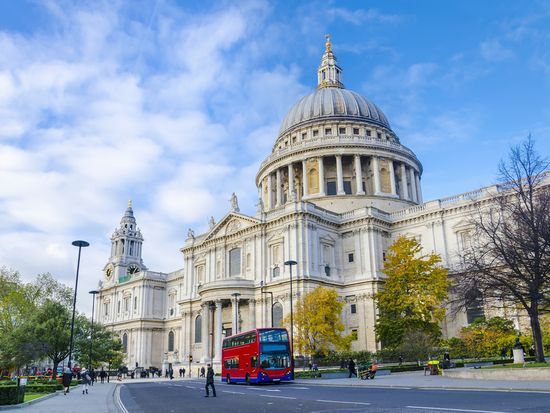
{"x": 231, "y": 363}
{"x": 254, "y": 361}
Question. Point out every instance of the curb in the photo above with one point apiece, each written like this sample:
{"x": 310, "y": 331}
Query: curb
{"x": 117, "y": 400}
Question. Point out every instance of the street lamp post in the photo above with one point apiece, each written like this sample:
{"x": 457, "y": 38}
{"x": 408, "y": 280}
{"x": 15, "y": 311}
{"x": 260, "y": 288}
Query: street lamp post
{"x": 270, "y": 293}
{"x": 93, "y": 292}
{"x": 236, "y": 295}
{"x": 290, "y": 263}
{"x": 80, "y": 244}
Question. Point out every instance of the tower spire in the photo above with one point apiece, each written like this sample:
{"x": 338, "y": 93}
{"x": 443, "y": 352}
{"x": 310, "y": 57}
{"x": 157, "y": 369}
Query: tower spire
{"x": 329, "y": 73}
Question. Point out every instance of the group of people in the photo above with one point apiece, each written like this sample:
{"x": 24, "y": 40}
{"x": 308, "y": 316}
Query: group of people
{"x": 87, "y": 378}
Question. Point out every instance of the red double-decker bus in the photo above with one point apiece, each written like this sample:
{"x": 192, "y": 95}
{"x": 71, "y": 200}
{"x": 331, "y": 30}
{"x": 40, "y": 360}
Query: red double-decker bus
{"x": 257, "y": 356}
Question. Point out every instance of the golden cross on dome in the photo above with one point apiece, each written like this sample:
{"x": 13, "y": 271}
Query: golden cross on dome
{"x": 327, "y": 44}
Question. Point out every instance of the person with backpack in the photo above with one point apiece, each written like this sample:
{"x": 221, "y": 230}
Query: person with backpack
{"x": 86, "y": 380}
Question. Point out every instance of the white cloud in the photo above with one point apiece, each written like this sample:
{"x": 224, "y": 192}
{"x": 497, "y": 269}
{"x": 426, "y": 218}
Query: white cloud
{"x": 492, "y": 50}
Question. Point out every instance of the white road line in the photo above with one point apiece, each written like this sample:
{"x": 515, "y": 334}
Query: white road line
{"x": 278, "y": 397}
{"x": 300, "y": 388}
{"x": 453, "y": 410}
{"x": 232, "y": 392}
{"x": 272, "y": 390}
{"x": 118, "y": 401}
{"x": 338, "y": 401}
{"x": 190, "y": 387}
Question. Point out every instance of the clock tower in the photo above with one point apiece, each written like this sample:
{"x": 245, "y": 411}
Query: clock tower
{"x": 125, "y": 261}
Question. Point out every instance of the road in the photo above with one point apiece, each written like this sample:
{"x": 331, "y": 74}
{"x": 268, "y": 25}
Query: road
{"x": 188, "y": 396}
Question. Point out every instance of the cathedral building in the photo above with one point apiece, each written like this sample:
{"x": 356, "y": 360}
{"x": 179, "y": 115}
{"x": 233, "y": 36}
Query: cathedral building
{"x": 335, "y": 192}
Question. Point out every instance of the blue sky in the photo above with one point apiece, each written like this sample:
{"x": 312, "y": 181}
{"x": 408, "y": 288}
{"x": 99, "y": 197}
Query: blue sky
{"x": 174, "y": 104}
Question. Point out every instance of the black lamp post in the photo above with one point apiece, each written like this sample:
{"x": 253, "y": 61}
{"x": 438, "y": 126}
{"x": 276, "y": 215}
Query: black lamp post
{"x": 270, "y": 293}
{"x": 290, "y": 263}
{"x": 80, "y": 245}
{"x": 93, "y": 292}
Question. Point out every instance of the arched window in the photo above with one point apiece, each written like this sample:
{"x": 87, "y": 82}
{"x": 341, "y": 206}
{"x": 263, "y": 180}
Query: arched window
{"x": 171, "y": 341}
{"x": 198, "y": 329}
{"x": 235, "y": 262}
{"x": 125, "y": 343}
{"x": 277, "y": 315}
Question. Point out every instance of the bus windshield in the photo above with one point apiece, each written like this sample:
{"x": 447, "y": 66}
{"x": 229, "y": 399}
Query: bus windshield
{"x": 274, "y": 355}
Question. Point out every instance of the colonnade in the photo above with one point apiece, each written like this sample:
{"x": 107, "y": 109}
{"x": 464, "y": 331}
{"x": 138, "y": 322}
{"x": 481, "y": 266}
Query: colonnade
{"x": 387, "y": 177}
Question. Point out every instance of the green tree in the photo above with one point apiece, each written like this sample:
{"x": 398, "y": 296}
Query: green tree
{"x": 106, "y": 344}
{"x": 47, "y": 333}
{"x": 317, "y": 323}
{"x": 486, "y": 337}
{"x": 414, "y": 290}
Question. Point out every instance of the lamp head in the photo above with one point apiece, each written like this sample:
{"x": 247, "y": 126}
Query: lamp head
{"x": 80, "y": 243}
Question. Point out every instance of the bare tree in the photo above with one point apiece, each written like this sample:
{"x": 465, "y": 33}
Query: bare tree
{"x": 508, "y": 258}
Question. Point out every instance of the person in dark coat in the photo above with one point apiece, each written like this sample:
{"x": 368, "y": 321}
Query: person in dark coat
{"x": 210, "y": 380}
{"x": 102, "y": 375}
{"x": 67, "y": 377}
{"x": 351, "y": 367}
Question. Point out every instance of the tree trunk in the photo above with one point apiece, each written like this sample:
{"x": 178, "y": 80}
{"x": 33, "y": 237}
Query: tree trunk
{"x": 536, "y": 331}
{"x": 54, "y": 373}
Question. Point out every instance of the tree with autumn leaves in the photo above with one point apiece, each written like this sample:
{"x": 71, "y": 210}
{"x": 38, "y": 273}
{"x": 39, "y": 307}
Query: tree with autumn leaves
{"x": 411, "y": 301}
{"x": 317, "y": 323}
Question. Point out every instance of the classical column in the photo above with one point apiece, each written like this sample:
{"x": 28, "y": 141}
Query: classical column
{"x": 269, "y": 191}
{"x": 376, "y": 177}
{"x": 252, "y": 314}
{"x": 304, "y": 179}
{"x": 235, "y": 314}
{"x": 204, "y": 330}
{"x": 291, "y": 189}
{"x": 279, "y": 198}
{"x": 404, "y": 189}
{"x": 339, "y": 176}
{"x": 392, "y": 177}
{"x": 413, "y": 185}
{"x": 358, "y": 176}
{"x": 321, "y": 175}
{"x": 418, "y": 190}
{"x": 218, "y": 332}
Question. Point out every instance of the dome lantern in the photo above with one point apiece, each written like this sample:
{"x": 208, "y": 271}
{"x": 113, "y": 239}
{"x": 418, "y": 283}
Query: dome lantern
{"x": 329, "y": 73}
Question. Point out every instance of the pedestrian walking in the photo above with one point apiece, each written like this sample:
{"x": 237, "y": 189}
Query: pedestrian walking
{"x": 210, "y": 380}
{"x": 102, "y": 375}
{"x": 86, "y": 379}
{"x": 202, "y": 371}
{"x": 171, "y": 373}
{"x": 183, "y": 372}
{"x": 67, "y": 377}
{"x": 351, "y": 367}
{"x": 92, "y": 376}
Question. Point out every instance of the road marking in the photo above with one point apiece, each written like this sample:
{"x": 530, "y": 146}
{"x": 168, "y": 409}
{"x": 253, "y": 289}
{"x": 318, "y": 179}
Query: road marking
{"x": 278, "y": 397}
{"x": 118, "y": 401}
{"x": 338, "y": 401}
{"x": 190, "y": 387}
{"x": 232, "y": 392}
{"x": 300, "y": 388}
{"x": 453, "y": 410}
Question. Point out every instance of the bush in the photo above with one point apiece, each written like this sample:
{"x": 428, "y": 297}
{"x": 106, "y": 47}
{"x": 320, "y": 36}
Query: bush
{"x": 12, "y": 394}
{"x": 44, "y": 388}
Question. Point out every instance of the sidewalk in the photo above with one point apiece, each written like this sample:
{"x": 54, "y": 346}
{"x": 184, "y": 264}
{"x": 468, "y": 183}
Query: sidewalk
{"x": 417, "y": 380}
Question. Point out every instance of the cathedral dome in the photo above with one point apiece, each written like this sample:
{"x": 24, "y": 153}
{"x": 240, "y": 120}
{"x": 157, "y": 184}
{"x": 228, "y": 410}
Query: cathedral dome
{"x": 332, "y": 103}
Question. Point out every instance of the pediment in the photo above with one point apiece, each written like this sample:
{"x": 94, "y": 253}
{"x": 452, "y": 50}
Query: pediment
{"x": 233, "y": 222}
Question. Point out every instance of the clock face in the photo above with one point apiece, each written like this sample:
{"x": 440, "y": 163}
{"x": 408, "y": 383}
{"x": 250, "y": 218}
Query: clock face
{"x": 109, "y": 272}
{"x": 132, "y": 269}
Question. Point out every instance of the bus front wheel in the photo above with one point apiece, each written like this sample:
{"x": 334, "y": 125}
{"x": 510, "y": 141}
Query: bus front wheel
{"x": 228, "y": 379}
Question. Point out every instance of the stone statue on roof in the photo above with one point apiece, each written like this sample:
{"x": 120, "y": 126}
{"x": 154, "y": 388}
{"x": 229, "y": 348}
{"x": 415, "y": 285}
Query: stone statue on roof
{"x": 234, "y": 202}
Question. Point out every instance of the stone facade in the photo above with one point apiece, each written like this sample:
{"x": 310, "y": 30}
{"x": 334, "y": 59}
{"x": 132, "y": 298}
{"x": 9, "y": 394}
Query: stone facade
{"x": 336, "y": 191}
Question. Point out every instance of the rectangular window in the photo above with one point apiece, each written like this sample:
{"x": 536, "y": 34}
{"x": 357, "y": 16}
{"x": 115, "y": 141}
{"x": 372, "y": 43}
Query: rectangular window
{"x": 354, "y": 308}
{"x": 331, "y": 187}
{"x": 106, "y": 308}
{"x": 235, "y": 262}
{"x": 350, "y": 257}
{"x": 118, "y": 307}
{"x": 315, "y": 132}
{"x": 328, "y": 131}
{"x": 347, "y": 187}
{"x": 379, "y": 135}
{"x": 342, "y": 131}
{"x": 294, "y": 139}
{"x": 126, "y": 304}
{"x": 135, "y": 303}
{"x": 304, "y": 136}
{"x": 354, "y": 335}
{"x": 356, "y": 131}
{"x": 368, "y": 132}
